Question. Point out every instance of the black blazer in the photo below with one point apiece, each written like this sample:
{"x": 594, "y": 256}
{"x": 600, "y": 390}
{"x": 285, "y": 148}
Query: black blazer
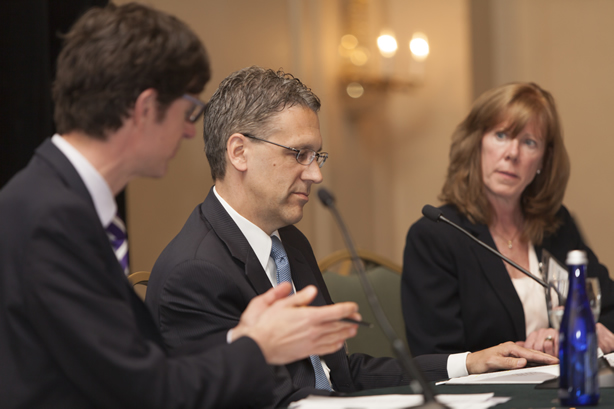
{"x": 206, "y": 276}
{"x": 73, "y": 334}
{"x": 457, "y": 296}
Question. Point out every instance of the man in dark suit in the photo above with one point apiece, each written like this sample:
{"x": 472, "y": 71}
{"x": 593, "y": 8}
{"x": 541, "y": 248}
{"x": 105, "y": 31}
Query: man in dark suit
{"x": 263, "y": 143}
{"x": 73, "y": 334}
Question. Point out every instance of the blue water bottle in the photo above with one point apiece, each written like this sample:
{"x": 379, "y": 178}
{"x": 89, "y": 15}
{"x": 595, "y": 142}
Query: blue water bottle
{"x": 578, "y": 385}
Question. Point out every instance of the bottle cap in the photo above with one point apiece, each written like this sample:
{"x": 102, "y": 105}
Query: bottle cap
{"x": 576, "y": 257}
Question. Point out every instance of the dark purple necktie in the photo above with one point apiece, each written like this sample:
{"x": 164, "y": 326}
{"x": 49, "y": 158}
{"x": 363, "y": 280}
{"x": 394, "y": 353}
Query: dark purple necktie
{"x": 116, "y": 231}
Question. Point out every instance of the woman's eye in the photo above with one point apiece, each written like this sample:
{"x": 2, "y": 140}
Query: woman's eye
{"x": 500, "y": 135}
{"x": 531, "y": 143}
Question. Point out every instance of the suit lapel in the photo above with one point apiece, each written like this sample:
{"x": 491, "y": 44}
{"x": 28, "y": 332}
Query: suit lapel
{"x": 494, "y": 270}
{"x": 302, "y": 274}
{"x": 238, "y": 246}
{"x": 50, "y": 153}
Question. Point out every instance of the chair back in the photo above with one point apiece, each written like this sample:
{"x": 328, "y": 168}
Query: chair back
{"x": 385, "y": 278}
{"x": 139, "y": 282}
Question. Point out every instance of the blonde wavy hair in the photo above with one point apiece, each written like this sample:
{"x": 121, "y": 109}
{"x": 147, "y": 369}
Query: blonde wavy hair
{"x": 516, "y": 104}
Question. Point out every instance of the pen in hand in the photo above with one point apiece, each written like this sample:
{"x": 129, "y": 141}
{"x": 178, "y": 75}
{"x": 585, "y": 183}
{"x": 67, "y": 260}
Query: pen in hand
{"x": 351, "y": 321}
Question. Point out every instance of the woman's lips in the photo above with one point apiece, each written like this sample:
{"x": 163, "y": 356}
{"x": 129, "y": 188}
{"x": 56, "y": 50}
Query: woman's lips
{"x": 507, "y": 174}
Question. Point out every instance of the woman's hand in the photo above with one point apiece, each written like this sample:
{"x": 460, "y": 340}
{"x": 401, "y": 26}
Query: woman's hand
{"x": 605, "y": 338}
{"x": 546, "y": 340}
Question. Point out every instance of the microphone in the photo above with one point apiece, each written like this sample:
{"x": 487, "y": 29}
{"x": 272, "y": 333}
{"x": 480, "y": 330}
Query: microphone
{"x": 434, "y": 214}
{"x": 418, "y": 384}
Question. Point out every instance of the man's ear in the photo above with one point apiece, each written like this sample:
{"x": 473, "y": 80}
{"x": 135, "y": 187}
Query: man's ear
{"x": 145, "y": 106}
{"x": 236, "y": 149}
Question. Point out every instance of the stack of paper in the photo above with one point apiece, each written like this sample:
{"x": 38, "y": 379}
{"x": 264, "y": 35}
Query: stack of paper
{"x": 531, "y": 375}
{"x": 475, "y": 401}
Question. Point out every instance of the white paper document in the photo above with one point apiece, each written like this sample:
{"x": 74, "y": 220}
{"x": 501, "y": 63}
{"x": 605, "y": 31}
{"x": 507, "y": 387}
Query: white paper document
{"x": 533, "y": 375}
{"x": 474, "y": 401}
{"x": 609, "y": 357}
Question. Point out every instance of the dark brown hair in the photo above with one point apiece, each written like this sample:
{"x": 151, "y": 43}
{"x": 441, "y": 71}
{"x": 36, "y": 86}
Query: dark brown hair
{"x": 113, "y": 54}
{"x": 517, "y": 104}
{"x": 246, "y": 101}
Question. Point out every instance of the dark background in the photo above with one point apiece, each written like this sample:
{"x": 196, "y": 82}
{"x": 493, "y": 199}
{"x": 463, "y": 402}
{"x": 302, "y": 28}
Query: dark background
{"x": 30, "y": 40}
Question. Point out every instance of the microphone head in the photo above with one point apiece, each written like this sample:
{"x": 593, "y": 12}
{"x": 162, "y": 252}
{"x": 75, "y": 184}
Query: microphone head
{"x": 326, "y": 197}
{"x": 431, "y": 213}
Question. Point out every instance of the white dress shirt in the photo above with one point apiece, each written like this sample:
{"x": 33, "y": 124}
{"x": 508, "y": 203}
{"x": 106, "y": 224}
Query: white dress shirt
{"x": 98, "y": 188}
{"x": 261, "y": 243}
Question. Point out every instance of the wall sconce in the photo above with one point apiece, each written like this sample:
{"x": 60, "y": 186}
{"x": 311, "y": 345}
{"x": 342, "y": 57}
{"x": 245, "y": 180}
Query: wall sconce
{"x": 362, "y": 69}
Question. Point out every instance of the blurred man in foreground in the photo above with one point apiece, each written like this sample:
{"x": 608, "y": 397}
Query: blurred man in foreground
{"x": 73, "y": 334}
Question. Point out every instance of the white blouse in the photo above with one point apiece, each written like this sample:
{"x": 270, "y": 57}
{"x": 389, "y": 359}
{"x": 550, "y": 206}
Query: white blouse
{"x": 532, "y": 296}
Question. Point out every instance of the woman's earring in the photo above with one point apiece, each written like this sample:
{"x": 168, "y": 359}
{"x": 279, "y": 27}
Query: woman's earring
{"x": 539, "y": 171}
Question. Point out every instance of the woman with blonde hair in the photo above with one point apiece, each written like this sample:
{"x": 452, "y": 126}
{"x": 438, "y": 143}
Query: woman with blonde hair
{"x": 505, "y": 184}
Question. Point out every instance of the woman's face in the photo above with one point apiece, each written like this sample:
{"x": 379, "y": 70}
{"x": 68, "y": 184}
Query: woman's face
{"x": 510, "y": 164}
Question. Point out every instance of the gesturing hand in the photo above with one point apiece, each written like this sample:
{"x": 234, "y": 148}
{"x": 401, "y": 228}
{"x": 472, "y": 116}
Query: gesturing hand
{"x": 286, "y": 329}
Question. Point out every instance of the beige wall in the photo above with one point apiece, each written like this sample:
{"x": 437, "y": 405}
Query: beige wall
{"x": 388, "y": 153}
{"x": 236, "y": 33}
{"x": 567, "y": 46}
{"x": 378, "y": 163}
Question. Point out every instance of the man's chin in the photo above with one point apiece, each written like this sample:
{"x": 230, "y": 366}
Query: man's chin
{"x": 294, "y": 218}
{"x": 157, "y": 172}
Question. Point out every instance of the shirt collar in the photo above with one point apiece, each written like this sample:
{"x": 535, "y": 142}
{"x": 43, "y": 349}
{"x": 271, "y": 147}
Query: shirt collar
{"x": 99, "y": 190}
{"x": 256, "y": 237}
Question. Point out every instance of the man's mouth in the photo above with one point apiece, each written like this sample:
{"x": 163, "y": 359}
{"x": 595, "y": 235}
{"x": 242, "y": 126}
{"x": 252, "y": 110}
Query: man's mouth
{"x": 302, "y": 195}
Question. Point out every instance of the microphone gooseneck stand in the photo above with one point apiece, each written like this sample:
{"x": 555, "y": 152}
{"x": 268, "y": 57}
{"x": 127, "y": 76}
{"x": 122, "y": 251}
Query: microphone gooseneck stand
{"x": 418, "y": 384}
{"x": 434, "y": 214}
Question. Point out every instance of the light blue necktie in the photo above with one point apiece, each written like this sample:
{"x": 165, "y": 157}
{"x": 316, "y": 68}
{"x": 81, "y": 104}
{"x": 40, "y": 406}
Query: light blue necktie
{"x": 283, "y": 274}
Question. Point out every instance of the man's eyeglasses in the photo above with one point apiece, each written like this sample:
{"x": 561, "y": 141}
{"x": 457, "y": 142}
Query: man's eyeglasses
{"x": 196, "y": 111}
{"x": 303, "y": 156}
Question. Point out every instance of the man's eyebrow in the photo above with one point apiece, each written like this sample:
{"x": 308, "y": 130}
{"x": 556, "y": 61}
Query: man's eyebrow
{"x": 309, "y": 147}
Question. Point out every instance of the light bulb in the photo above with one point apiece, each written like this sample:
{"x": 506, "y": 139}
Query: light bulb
{"x": 355, "y": 90}
{"x": 387, "y": 45}
{"x": 419, "y": 46}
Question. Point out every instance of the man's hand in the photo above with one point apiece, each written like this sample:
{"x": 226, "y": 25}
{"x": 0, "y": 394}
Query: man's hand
{"x": 287, "y": 330}
{"x": 505, "y": 356}
{"x": 543, "y": 339}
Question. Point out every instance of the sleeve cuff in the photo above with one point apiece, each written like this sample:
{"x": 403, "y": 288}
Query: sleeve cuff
{"x": 457, "y": 365}
{"x": 229, "y": 337}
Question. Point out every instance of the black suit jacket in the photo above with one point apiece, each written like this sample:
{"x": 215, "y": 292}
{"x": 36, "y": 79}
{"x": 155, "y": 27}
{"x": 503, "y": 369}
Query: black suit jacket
{"x": 73, "y": 334}
{"x": 457, "y": 296}
{"x": 206, "y": 276}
